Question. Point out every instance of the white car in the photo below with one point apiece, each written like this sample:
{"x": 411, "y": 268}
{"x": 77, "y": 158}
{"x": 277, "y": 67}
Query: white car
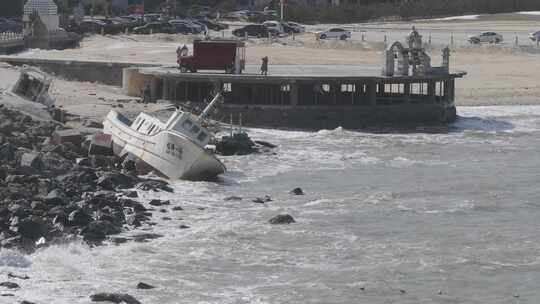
{"x": 489, "y": 37}
{"x": 298, "y": 28}
{"x": 535, "y": 36}
{"x": 337, "y": 33}
{"x": 274, "y": 25}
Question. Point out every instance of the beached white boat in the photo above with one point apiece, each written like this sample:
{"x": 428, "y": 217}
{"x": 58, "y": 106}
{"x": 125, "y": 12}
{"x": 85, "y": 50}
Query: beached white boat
{"x": 176, "y": 149}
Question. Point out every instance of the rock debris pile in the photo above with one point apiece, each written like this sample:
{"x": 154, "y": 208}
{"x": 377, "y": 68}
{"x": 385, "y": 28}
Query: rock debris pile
{"x": 52, "y": 190}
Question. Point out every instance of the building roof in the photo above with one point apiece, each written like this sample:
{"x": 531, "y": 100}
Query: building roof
{"x": 43, "y": 7}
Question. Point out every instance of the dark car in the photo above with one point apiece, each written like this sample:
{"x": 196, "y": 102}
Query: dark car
{"x": 155, "y": 27}
{"x": 213, "y": 25}
{"x": 254, "y": 30}
{"x": 87, "y": 27}
{"x": 7, "y": 25}
{"x": 180, "y": 28}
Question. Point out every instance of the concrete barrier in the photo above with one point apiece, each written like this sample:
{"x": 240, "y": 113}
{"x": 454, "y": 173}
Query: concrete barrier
{"x": 110, "y": 73}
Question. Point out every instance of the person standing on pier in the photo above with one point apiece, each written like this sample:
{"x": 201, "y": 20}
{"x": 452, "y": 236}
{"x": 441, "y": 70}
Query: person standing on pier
{"x": 264, "y": 66}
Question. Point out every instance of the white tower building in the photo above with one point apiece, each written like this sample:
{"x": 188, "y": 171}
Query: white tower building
{"x": 47, "y": 10}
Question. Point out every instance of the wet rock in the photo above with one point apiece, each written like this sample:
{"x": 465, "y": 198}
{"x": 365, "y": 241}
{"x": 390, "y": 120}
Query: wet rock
{"x": 177, "y": 208}
{"x": 184, "y": 227}
{"x": 114, "y": 298}
{"x": 10, "y": 285}
{"x": 79, "y": 218}
{"x": 133, "y": 220}
{"x": 265, "y": 144}
{"x": 163, "y": 210}
{"x": 166, "y": 218}
{"x": 16, "y": 276}
{"x": 232, "y": 198}
{"x": 55, "y": 197}
{"x": 238, "y": 144}
{"x": 32, "y": 160}
{"x": 113, "y": 180}
{"x": 262, "y": 200}
{"x": 92, "y": 124}
{"x": 297, "y": 191}
{"x": 156, "y": 202}
{"x": 27, "y": 302}
{"x": 282, "y": 219}
{"x": 98, "y": 230}
{"x": 154, "y": 185}
{"x": 102, "y": 161}
{"x": 142, "y": 285}
{"x": 132, "y": 194}
{"x": 118, "y": 240}
{"x": 65, "y": 136}
{"x": 144, "y": 237}
{"x": 30, "y": 228}
{"x": 101, "y": 144}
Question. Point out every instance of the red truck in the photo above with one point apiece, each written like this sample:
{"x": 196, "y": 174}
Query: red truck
{"x": 227, "y": 55}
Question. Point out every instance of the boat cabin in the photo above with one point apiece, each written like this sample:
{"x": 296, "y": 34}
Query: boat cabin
{"x": 180, "y": 122}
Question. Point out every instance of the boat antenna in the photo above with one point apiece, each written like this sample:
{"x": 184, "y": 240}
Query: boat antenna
{"x": 240, "y": 121}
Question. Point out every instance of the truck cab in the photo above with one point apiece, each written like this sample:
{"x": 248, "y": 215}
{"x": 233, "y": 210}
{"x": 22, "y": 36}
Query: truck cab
{"x": 227, "y": 55}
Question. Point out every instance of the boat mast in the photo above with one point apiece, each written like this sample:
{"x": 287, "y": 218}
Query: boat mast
{"x": 210, "y": 106}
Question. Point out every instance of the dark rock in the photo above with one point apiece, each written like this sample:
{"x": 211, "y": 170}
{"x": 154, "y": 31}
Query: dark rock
{"x": 265, "y": 144}
{"x": 30, "y": 228}
{"x": 142, "y": 285}
{"x": 83, "y": 161}
{"x": 132, "y": 194}
{"x": 184, "y": 226}
{"x": 10, "y": 285}
{"x": 297, "y": 191}
{"x": 79, "y": 218}
{"x": 92, "y": 124}
{"x": 282, "y": 219}
{"x": 133, "y": 220}
{"x": 112, "y": 180}
{"x": 114, "y": 298}
{"x": 102, "y": 161}
{"x": 263, "y": 200}
{"x": 100, "y": 144}
{"x": 238, "y": 144}
{"x": 118, "y": 240}
{"x": 166, "y": 218}
{"x": 98, "y": 230}
{"x": 65, "y": 136}
{"x": 156, "y": 202}
{"x": 56, "y": 197}
{"x": 154, "y": 185}
{"x": 144, "y": 237}
{"x": 32, "y": 160}
{"x": 232, "y": 198}
{"x": 177, "y": 208}
{"x": 15, "y": 276}
{"x": 27, "y": 302}
{"x": 163, "y": 210}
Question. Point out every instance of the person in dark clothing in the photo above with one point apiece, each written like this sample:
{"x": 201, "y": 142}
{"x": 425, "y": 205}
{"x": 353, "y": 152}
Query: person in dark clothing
{"x": 264, "y": 66}
{"x": 147, "y": 94}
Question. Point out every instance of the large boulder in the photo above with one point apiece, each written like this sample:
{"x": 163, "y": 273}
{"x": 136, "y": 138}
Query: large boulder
{"x": 114, "y": 180}
{"x": 282, "y": 219}
{"x": 114, "y": 298}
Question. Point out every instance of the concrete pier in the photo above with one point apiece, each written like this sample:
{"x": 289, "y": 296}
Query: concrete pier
{"x": 311, "y": 97}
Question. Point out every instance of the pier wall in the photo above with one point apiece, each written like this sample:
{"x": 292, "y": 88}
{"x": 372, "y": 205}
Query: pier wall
{"x": 110, "y": 73}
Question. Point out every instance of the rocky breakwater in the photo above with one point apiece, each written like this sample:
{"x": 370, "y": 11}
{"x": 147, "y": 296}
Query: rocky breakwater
{"x": 51, "y": 190}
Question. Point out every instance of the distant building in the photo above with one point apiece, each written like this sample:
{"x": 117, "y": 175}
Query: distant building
{"x": 47, "y": 11}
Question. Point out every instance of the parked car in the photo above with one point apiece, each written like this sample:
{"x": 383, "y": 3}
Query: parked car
{"x": 7, "y": 25}
{"x": 274, "y": 25}
{"x": 293, "y": 27}
{"x": 213, "y": 25}
{"x": 337, "y": 33}
{"x": 254, "y": 30}
{"x": 87, "y": 27}
{"x": 535, "y": 36}
{"x": 195, "y": 29}
{"x": 155, "y": 27}
{"x": 489, "y": 37}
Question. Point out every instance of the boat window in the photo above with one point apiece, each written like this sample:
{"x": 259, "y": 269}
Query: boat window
{"x": 187, "y": 124}
{"x": 195, "y": 129}
{"x": 151, "y": 128}
{"x": 202, "y": 136}
{"x": 140, "y": 125}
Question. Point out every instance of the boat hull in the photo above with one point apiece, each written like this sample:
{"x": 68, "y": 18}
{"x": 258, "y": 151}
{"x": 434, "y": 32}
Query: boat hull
{"x": 169, "y": 153}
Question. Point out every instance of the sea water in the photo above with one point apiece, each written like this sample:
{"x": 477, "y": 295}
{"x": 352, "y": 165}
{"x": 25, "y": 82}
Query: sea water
{"x": 412, "y": 217}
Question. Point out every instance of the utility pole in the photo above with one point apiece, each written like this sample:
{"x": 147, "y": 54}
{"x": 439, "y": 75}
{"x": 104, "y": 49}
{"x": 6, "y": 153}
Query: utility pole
{"x": 281, "y": 4}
